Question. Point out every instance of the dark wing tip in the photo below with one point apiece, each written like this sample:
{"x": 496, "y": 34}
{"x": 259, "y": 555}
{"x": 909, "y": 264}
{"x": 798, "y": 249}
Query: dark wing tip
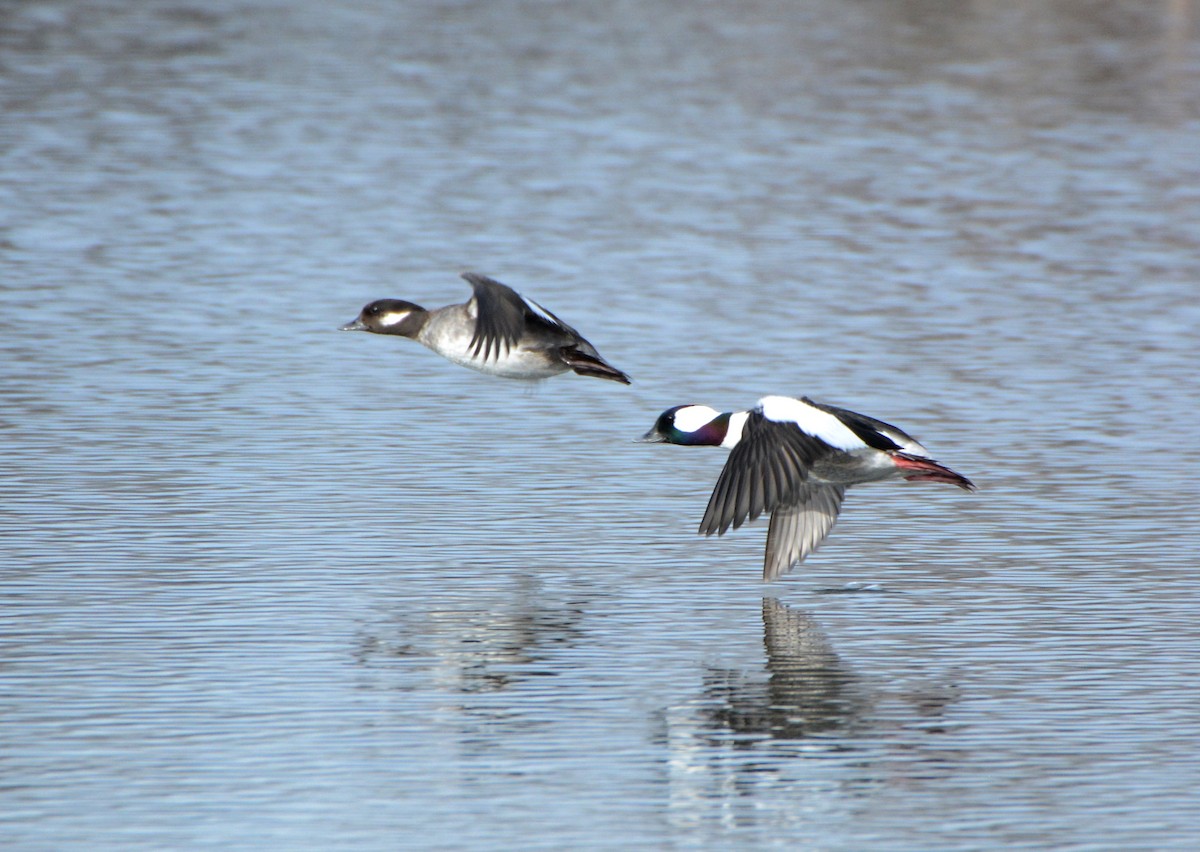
{"x": 475, "y": 279}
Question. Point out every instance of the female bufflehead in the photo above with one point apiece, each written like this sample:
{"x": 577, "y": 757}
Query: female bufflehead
{"x": 794, "y": 458}
{"x": 498, "y": 332}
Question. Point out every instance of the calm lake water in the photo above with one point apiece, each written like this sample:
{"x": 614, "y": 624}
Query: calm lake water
{"x": 266, "y": 585}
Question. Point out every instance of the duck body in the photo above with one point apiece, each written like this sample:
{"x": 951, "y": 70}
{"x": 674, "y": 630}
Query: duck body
{"x": 794, "y": 458}
{"x": 498, "y": 332}
{"x": 451, "y": 332}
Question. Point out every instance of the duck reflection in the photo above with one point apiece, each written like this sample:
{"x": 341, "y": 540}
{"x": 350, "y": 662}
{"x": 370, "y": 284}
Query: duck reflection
{"x": 800, "y": 734}
{"x": 809, "y": 690}
{"x": 483, "y": 645}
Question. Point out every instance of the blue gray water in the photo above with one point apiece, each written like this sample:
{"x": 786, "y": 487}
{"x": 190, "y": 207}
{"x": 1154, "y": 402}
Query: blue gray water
{"x": 270, "y": 586}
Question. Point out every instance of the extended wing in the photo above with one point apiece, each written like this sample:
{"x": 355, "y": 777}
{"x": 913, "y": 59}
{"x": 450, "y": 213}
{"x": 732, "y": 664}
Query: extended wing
{"x": 767, "y": 468}
{"x": 796, "y": 530}
{"x": 502, "y": 316}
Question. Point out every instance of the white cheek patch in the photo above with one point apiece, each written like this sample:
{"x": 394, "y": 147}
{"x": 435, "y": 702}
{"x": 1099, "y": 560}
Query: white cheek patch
{"x": 394, "y": 318}
{"x": 692, "y": 417}
{"x": 814, "y": 421}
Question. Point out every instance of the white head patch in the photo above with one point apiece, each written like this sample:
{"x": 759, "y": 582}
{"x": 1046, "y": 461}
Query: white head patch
{"x": 394, "y": 318}
{"x": 814, "y": 421}
{"x": 692, "y": 417}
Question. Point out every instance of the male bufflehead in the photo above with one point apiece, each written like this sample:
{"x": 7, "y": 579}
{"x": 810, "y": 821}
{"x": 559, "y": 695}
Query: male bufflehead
{"x": 498, "y": 332}
{"x": 794, "y": 458}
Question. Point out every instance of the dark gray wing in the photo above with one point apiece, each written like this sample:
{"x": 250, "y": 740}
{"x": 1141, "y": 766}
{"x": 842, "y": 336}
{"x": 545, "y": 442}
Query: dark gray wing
{"x": 766, "y": 469}
{"x": 502, "y": 316}
{"x": 797, "y": 529}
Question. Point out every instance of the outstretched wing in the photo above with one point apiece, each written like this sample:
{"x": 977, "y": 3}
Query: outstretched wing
{"x": 765, "y": 470}
{"x": 502, "y": 315}
{"x": 798, "y": 528}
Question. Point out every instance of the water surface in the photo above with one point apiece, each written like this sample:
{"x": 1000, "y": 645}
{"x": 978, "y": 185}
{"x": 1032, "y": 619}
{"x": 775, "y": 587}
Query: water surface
{"x": 269, "y": 585}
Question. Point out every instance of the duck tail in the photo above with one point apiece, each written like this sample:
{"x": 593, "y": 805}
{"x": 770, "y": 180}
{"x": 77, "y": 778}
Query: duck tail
{"x": 917, "y": 469}
{"x": 592, "y": 365}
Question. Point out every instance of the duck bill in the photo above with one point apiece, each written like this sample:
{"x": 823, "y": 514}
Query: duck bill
{"x": 353, "y": 325}
{"x": 651, "y": 437}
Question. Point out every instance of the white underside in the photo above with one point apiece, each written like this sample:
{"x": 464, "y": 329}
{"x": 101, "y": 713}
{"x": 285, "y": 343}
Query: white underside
{"x": 515, "y": 364}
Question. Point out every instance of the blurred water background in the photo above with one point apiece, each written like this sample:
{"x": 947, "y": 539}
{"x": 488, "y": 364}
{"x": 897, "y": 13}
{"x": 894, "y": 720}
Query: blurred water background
{"x": 270, "y": 586}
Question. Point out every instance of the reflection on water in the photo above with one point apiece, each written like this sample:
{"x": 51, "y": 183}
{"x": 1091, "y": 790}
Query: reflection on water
{"x": 809, "y": 691}
{"x": 801, "y": 731}
{"x": 471, "y": 649}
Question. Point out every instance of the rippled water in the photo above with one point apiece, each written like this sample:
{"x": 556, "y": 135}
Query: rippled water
{"x": 269, "y": 585}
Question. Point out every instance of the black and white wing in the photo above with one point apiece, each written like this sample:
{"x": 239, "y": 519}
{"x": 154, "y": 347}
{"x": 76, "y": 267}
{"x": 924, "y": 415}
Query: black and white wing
{"x": 766, "y": 469}
{"x": 798, "y": 528}
{"x": 874, "y": 433}
{"x": 502, "y": 316}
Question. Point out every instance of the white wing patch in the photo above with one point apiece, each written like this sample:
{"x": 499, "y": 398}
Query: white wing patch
{"x": 814, "y": 421}
{"x": 692, "y": 417}
{"x": 539, "y": 310}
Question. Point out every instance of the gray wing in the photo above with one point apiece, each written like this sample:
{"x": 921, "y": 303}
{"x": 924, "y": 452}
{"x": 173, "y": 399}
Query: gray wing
{"x": 502, "y": 316}
{"x": 796, "y": 530}
{"x": 766, "y": 469}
